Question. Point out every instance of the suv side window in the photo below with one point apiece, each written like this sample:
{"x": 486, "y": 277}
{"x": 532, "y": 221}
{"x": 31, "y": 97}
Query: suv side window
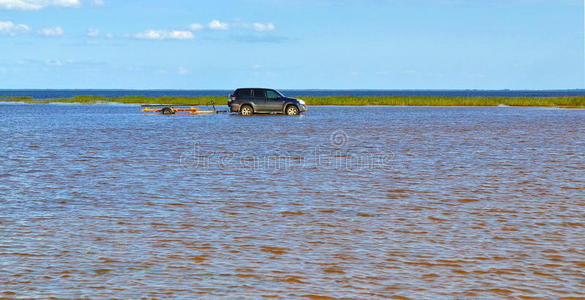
{"x": 260, "y": 93}
{"x": 272, "y": 95}
{"x": 245, "y": 93}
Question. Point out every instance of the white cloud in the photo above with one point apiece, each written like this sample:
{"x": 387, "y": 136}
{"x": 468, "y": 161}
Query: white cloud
{"x": 196, "y": 27}
{"x": 260, "y": 27}
{"x": 184, "y": 71}
{"x": 9, "y": 28}
{"x": 180, "y": 35}
{"x": 58, "y": 62}
{"x": 98, "y": 2}
{"x": 96, "y": 33}
{"x": 164, "y": 35}
{"x": 63, "y": 3}
{"x": 51, "y": 31}
{"x": 12, "y": 29}
{"x": 217, "y": 25}
{"x": 188, "y": 32}
{"x": 92, "y": 32}
{"x": 36, "y": 4}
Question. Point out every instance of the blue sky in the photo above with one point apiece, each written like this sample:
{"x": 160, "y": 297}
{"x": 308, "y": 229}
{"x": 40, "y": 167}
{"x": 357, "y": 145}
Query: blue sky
{"x": 292, "y": 44}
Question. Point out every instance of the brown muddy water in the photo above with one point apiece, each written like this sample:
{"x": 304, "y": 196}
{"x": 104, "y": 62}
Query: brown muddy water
{"x": 360, "y": 203}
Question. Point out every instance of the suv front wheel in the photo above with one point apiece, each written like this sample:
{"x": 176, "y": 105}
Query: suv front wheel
{"x": 246, "y": 110}
{"x": 292, "y": 110}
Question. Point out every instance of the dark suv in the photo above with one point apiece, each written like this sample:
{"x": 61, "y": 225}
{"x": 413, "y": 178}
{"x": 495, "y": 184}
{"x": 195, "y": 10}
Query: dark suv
{"x": 248, "y": 101}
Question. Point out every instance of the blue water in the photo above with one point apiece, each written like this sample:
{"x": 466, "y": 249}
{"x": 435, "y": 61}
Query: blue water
{"x": 49, "y": 94}
{"x": 101, "y": 201}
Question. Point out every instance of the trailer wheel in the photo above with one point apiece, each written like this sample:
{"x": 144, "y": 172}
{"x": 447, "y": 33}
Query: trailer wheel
{"x": 168, "y": 111}
{"x": 292, "y": 110}
{"x": 246, "y": 110}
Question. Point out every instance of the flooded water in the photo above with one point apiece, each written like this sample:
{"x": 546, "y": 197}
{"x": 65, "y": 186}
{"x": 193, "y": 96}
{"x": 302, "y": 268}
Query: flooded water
{"x": 370, "y": 202}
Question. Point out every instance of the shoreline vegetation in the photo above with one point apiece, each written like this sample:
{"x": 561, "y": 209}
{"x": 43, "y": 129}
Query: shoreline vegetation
{"x": 561, "y": 102}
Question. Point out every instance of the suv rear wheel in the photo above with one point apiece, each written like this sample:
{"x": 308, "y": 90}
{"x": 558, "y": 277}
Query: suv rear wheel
{"x": 292, "y": 110}
{"x": 246, "y": 110}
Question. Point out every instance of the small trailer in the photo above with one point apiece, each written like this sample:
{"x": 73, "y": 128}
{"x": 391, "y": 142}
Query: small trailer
{"x": 171, "y": 109}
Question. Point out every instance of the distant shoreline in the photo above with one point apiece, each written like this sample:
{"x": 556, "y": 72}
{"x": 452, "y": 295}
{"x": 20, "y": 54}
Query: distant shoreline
{"x": 560, "y": 102}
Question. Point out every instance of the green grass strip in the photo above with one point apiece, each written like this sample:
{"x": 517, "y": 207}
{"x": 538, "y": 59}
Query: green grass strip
{"x": 573, "y": 102}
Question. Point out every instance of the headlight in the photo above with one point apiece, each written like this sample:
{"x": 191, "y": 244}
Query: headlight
{"x": 302, "y": 102}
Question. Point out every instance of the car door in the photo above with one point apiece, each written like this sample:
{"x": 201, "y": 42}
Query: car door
{"x": 260, "y": 100}
{"x": 274, "y": 101}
